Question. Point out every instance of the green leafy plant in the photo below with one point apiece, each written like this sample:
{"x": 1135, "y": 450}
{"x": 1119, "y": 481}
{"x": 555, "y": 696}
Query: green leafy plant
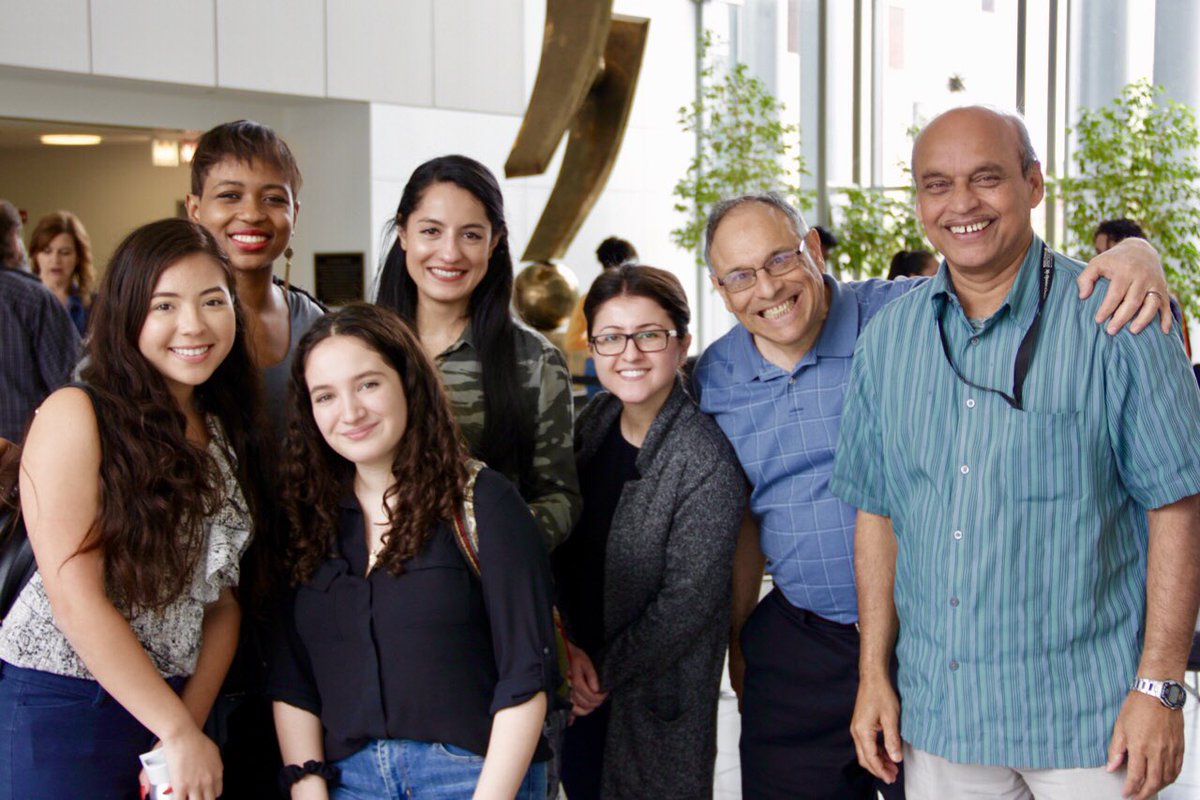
{"x": 1135, "y": 158}
{"x": 743, "y": 146}
{"x": 872, "y": 225}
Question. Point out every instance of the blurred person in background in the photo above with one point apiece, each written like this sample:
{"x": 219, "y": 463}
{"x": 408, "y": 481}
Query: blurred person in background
{"x": 61, "y": 252}
{"x": 912, "y": 263}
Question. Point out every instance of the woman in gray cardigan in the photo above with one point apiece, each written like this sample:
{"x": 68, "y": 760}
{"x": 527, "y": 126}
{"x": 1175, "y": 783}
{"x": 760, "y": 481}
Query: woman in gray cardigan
{"x": 644, "y": 580}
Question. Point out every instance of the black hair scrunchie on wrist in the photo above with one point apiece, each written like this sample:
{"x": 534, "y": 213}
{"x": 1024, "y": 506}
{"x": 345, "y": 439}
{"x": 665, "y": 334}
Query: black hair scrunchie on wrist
{"x": 289, "y": 775}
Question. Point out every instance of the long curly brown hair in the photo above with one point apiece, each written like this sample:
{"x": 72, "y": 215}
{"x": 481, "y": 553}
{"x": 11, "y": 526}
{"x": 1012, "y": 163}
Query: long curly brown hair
{"x": 156, "y": 487}
{"x": 429, "y": 464}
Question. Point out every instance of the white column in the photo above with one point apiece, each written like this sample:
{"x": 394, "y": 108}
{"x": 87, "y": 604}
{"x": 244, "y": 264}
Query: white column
{"x": 1099, "y": 53}
{"x": 1177, "y": 50}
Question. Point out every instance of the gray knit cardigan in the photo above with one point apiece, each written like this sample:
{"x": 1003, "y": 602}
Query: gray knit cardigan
{"x": 667, "y": 578}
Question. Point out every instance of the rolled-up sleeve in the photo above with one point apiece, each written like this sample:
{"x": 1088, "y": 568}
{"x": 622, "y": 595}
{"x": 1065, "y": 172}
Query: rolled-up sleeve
{"x": 289, "y": 676}
{"x": 517, "y": 594}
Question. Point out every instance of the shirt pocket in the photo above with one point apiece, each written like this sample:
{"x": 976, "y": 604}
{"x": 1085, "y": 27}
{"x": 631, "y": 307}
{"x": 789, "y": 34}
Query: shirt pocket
{"x": 1042, "y": 458}
{"x": 435, "y": 590}
{"x": 324, "y": 603}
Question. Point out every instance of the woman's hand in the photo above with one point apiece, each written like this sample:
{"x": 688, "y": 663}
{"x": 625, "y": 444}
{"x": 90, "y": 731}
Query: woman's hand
{"x": 195, "y": 766}
{"x": 585, "y": 683}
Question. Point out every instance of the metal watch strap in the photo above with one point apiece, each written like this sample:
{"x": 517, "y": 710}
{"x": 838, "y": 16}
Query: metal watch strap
{"x": 1157, "y": 690}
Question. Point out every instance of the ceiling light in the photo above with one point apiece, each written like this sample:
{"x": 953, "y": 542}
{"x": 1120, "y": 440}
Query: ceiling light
{"x": 70, "y": 139}
{"x": 164, "y": 153}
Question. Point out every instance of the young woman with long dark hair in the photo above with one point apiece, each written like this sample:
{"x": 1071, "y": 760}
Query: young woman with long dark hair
{"x": 449, "y": 274}
{"x": 139, "y": 489}
{"x": 399, "y": 666}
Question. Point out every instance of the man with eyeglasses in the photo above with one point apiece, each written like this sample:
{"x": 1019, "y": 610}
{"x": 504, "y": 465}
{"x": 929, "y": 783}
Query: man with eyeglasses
{"x": 775, "y": 384}
{"x": 1028, "y": 534}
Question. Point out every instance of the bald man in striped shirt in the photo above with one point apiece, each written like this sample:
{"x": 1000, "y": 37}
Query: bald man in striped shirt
{"x": 1028, "y": 534}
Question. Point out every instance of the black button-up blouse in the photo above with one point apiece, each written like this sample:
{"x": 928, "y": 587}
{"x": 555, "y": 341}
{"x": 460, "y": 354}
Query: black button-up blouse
{"x": 430, "y": 654}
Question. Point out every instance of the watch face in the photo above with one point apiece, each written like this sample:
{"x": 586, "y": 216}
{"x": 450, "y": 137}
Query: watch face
{"x": 1174, "y": 694}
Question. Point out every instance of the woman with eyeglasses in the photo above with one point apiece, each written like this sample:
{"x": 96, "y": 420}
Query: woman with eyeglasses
{"x": 644, "y": 579}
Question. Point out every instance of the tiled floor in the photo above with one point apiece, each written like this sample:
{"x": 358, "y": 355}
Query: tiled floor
{"x": 728, "y": 772}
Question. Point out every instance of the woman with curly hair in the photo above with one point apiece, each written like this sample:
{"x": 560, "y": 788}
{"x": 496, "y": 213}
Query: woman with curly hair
{"x": 61, "y": 252}
{"x": 399, "y": 668}
{"x": 139, "y": 492}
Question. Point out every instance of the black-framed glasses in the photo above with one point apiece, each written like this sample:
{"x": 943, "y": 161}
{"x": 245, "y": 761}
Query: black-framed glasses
{"x": 649, "y": 341}
{"x": 739, "y": 280}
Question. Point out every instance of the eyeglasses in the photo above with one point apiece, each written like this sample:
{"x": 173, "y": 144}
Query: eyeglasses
{"x": 613, "y": 344}
{"x": 739, "y": 280}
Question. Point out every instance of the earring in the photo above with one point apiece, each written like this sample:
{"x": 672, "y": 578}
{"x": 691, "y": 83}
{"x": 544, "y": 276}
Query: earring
{"x": 287, "y": 268}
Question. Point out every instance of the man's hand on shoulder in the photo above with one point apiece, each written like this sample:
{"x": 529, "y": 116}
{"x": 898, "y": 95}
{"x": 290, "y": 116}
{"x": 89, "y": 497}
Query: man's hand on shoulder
{"x": 1137, "y": 286}
{"x": 1148, "y": 739}
{"x": 877, "y": 710}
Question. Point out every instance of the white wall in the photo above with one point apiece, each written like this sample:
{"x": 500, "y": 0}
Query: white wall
{"x": 442, "y": 77}
{"x": 460, "y": 54}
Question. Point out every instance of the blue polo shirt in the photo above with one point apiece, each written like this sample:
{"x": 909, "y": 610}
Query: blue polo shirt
{"x": 1022, "y": 534}
{"x": 784, "y": 427}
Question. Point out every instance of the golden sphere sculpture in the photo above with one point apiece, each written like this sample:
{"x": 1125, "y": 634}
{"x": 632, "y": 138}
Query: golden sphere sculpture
{"x": 545, "y": 294}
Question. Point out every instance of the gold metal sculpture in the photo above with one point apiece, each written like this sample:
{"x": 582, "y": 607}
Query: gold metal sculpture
{"x": 585, "y": 87}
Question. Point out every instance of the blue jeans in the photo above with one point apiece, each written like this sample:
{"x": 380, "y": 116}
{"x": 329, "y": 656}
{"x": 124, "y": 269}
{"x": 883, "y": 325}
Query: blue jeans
{"x": 66, "y": 737}
{"x": 395, "y": 769}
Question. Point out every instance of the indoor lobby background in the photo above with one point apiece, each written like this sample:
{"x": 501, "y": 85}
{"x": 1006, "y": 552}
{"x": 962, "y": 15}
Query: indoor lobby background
{"x": 365, "y": 90}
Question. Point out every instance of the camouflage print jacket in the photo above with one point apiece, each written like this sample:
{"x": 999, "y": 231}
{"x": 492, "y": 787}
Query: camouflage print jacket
{"x": 551, "y": 487}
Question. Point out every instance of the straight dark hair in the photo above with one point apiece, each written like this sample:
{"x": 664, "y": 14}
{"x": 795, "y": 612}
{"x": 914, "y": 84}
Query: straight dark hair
{"x": 508, "y": 428}
{"x": 157, "y": 486}
{"x": 638, "y": 280}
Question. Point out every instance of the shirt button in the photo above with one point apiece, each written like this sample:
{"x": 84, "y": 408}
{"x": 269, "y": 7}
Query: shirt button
{"x": 974, "y": 340}
{"x": 970, "y": 402}
{"x": 964, "y": 469}
{"x": 957, "y": 534}
{"x": 953, "y": 665}
{"x": 954, "y": 602}
{"x": 791, "y": 381}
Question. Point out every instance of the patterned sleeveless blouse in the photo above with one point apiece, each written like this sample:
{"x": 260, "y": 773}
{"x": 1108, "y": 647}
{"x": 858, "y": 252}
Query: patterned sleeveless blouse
{"x": 30, "y": 638}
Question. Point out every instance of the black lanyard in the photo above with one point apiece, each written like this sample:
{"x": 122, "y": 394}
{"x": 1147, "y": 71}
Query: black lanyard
{"x": 1028, "y": 342}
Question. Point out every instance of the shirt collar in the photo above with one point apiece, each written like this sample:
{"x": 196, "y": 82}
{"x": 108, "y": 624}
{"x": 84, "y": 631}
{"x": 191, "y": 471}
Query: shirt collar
{"x": 838, "y": 336}
{"x": 1022, "y": 298}
{"x": 465, "y": 339}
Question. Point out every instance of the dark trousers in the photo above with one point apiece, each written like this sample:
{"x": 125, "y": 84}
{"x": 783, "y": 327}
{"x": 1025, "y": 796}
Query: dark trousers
{"x": 66, "y": 737}
{"x": 583, "y": 755}
{"x": 800, "y": 686}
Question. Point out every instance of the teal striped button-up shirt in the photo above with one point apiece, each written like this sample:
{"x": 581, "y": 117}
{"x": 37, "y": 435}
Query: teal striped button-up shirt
{"x": 1022, "y": 535}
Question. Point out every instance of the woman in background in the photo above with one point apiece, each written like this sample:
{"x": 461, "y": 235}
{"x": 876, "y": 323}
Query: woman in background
{"x": 644, "y": 580}
{"x": 449, "y": 274}
{"x": 399, "y": 668}
{"x": 62, "y": 257}
{"x": 139, "y": 488}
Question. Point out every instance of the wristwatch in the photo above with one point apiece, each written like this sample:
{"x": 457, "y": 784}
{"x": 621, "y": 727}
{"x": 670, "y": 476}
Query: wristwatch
{"x": 1170, "y": 693}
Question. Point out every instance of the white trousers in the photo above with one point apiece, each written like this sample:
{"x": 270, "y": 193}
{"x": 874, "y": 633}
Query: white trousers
{"x": 930, "y": 777}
